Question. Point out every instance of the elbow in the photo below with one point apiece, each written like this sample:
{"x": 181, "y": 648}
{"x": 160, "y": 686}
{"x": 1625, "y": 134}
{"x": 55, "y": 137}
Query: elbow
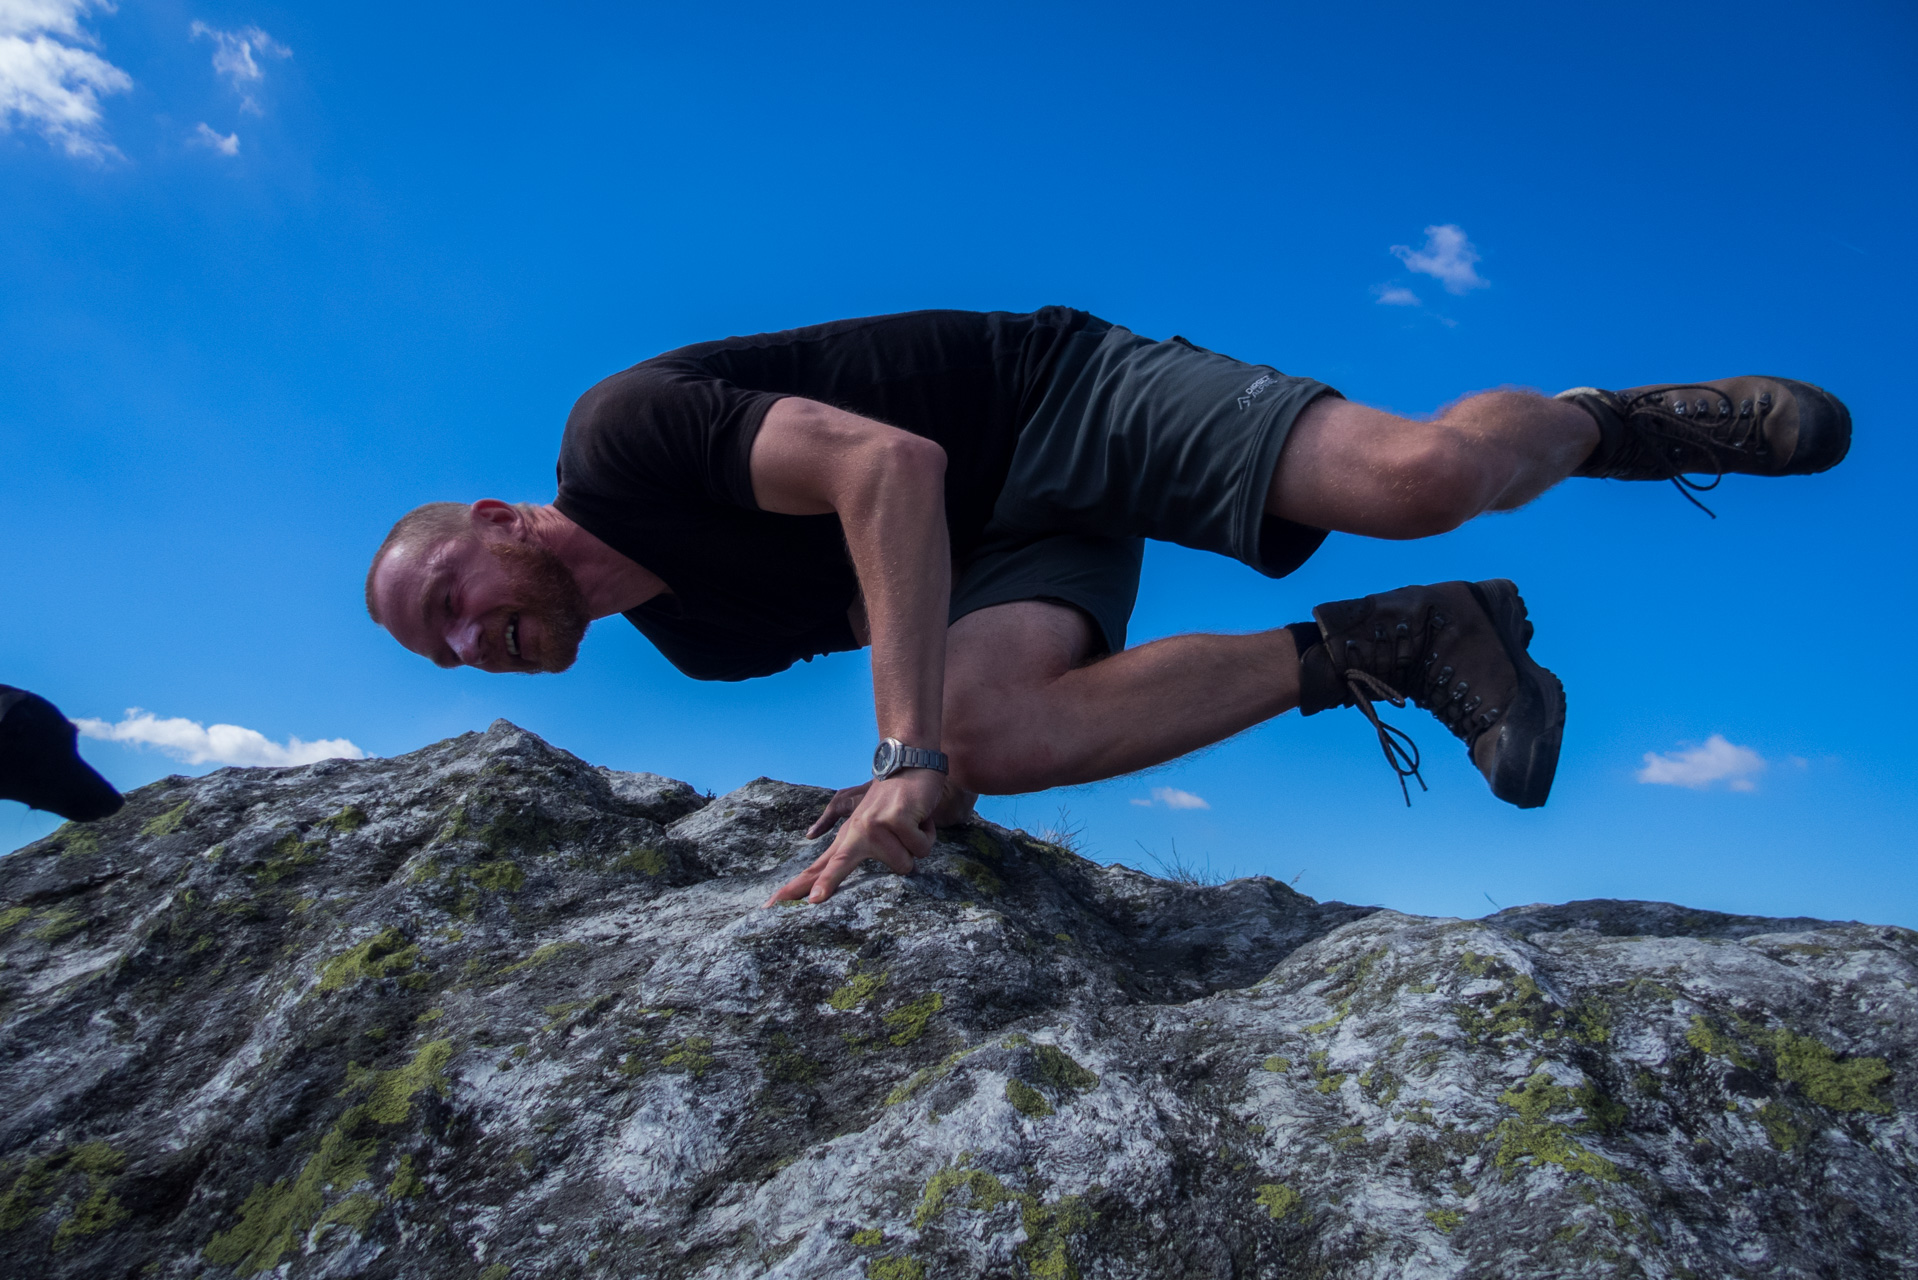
{"x": 915, "y": 457}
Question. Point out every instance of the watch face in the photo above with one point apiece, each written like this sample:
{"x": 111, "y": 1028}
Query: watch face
{"x": 882, "y": 759}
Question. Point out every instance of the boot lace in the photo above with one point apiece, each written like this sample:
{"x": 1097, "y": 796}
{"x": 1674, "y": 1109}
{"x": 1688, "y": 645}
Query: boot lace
{"x": 1698, "y": 425}
{"x": 1458, "y": 709}
{"x": 1400, "y": 751}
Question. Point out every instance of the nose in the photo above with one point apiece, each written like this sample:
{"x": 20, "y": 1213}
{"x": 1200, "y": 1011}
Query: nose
{"x": 464, "y": 639}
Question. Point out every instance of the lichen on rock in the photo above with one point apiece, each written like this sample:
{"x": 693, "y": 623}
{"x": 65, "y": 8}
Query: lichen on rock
{"x": 486, "y": 1010}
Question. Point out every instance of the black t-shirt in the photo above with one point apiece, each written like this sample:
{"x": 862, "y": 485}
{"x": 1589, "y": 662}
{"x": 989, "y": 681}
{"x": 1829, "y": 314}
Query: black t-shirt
{"x": 654, "y": 463}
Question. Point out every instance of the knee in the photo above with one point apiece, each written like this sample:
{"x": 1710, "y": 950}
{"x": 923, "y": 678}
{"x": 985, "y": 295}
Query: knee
{"x": 990, "y": 754}
{"x": 1435, "y": 482}
{"x": 978, "y": 751}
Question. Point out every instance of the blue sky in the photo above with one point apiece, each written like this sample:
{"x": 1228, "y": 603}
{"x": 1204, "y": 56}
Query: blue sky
{"x": 307, "y": 265}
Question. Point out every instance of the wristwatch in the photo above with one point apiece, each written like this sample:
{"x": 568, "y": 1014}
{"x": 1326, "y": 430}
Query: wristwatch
{"x": 894, "y": 755}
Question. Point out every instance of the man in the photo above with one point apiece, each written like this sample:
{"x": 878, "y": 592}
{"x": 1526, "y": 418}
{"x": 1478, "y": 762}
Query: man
{"x": 969, "y": 492}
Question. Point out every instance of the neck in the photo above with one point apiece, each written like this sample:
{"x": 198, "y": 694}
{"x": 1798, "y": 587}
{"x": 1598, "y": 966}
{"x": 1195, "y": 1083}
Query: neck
{"x": 610, "y": 582}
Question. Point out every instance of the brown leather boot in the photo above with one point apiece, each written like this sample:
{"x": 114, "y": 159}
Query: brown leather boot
{"x": 1751, "y": 425}
{"x": 1457, "y": 649}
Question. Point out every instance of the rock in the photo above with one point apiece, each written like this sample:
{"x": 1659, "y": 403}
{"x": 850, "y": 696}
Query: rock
{"x": 487, "y": 1011}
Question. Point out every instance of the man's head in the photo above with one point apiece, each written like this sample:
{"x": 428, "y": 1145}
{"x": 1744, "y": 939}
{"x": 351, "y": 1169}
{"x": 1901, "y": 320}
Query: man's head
{"x": 475, "y": 586}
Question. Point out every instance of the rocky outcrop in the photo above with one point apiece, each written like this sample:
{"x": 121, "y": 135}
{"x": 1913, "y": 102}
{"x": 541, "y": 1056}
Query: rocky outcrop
{"x": 488, "y": 1011}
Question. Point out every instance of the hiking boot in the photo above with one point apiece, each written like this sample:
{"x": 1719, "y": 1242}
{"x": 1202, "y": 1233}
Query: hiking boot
{"x": 1457, "y": 649}
{"x": 1751, "y": 426}
{"x": 39, "y": 765}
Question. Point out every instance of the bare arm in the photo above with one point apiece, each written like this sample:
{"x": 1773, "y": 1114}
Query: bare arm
{"x": 888, "y": 488}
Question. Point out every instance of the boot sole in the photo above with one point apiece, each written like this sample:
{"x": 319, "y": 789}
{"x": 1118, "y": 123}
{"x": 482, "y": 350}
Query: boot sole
{"x": 1533, "y": 727}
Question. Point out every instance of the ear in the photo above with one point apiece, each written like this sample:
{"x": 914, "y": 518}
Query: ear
{"x": 490, "y": 515}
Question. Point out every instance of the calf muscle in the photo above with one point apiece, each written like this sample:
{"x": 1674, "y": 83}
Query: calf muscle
{"x": 1024, "y": 712}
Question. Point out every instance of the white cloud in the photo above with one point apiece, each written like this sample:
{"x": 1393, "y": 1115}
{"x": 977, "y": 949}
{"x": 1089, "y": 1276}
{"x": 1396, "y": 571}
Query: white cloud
{"x": 1173, "y": 798}
{"x": 195, "y": 743}
{"x": 1716, "y": 761}
{"x": 226, "y": 144}
{"x": 234, "y": 60}
{"x": 48, "y": 81}
{"x": 1447, "y": 257}
{"x": 1393, "y": 295}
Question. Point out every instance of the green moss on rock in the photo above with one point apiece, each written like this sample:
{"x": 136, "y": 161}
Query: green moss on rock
{"x": 1446, "y": 1220}
{"x": 1709, "y": 1040}
{"x": 539, "y": 956}
{"x": 503, "y": 876}
{"x": 783, "y": 1061}
{"x": 13, "y": 916}
{"x": 896, "y": 1268}
{"x": 59, "y": 923}
{"x": 1027, "y": 1100}
{"x": 1533, "y": 1135}
{"x": 643, "y": 859}
{"x": 909, "y": 1021}
{"x": 1843, "y": 1084}
{"x": 690, "y": 1056}
{"x": 1057, "y": 1068}
{"x": 1279, "y": 1201}
{"x": 1049, "y": 1227}
{"x": 405, "y": 1184}
{"x": 979, "y": 876}
{"x": 384, "y": 955}
{"x": 859, "y": 988}
{"x": 288, "y": 854}
{"x": 355, "y": 1212}
{"x": 167, "y": 823}
{"x": 1777, "y": 1124}
{"x": 351, "y": 818}
{"x": 274, "y": 1219}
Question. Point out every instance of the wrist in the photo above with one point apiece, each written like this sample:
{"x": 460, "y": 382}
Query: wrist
{"x": 895, "y": 756}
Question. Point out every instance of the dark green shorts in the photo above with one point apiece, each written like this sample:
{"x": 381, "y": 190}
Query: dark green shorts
{"x": 1141, "y": 439}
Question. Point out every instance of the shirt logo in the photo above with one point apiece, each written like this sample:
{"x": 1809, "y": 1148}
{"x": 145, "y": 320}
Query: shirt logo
{"x": 1258, "y": 388}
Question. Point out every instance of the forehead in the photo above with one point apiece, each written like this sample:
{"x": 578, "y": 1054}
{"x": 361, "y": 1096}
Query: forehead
{"x": 406, "y": 580}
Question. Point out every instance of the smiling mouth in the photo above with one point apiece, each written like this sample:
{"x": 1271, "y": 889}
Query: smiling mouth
{"x": 512, "y": 635}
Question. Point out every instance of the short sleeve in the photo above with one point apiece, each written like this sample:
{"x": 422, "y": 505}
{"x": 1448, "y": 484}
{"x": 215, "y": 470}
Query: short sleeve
{"x": 669, "y": 427}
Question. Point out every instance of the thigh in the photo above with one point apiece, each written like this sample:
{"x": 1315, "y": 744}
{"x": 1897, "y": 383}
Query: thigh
{"x": 1352, "y": 469}
{"x": 993, "y": 652}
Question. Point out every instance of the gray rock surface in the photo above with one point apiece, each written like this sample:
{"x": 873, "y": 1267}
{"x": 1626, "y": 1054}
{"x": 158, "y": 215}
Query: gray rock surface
{"x": 488, "y": 1011}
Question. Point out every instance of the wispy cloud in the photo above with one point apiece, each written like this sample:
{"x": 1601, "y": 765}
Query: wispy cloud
{"x": 1394, "y": 295}
{"x": 236, "y": 58}
{"x": 1447, "y": 256}
{"x": 195, "y": 743}
{"x": 1718, "y": 760}
{"x": 227, "y": 144}
{"x": 49, "y": 80}
{"x": 1173, "y": 798}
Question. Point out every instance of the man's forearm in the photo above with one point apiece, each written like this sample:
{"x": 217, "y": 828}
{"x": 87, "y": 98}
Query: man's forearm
{"x": 894, "y": 517}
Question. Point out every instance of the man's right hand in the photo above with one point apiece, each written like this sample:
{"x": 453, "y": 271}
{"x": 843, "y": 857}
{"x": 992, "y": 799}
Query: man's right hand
{"x": 955, "y": 807}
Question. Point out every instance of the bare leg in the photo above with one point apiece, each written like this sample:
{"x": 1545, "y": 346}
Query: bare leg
{"x": 1358, "y": 470}
{"x": 1023, "y": 714}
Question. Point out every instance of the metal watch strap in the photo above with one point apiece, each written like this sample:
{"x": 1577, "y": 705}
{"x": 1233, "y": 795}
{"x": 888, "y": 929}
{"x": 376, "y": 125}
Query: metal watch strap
{"x": 920, "y": 758}
{"x": 894, "y": 755}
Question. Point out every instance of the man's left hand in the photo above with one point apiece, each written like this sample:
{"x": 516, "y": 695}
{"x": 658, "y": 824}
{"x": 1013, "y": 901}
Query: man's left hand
{"x": 892, "y": 821}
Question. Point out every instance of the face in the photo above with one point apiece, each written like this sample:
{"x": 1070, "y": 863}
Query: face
{"x": 493, "y": 603}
